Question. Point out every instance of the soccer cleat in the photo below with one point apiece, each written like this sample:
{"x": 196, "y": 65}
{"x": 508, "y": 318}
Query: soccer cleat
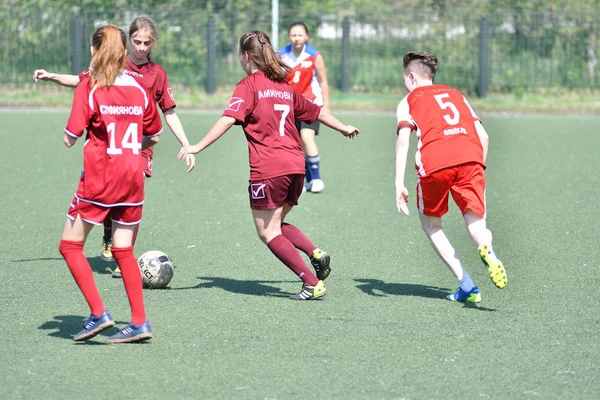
{"x": 474, "y": 296}
{"x": 116, "y": 273}
{"x": 106, "y": 253}
{"x": 320, "y": 262}
{"x": 132, "y": 334}
{"x": 93, "y": 326}
{"x": 311, "y": 292}
{"x": 494, "y": 266}
{"x": 316, "y": 185}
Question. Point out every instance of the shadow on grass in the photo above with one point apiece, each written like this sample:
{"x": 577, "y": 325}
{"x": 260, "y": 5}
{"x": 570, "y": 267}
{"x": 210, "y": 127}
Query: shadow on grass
{"x": 98, "y": 265}
{"x": 371, "y": 286}
{"x": 65, "y": 326}
{"x": 254, "y": 288}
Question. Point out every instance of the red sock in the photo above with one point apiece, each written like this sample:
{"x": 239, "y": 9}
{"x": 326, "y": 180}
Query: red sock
{"x": 107, "y": 228}
{"x": 135, "y": 232}
{"x": 132, "y": 281}
{"x": 298, "y": 239}
{"x": 82, "y": 273}
{"x": 287, "y": 254}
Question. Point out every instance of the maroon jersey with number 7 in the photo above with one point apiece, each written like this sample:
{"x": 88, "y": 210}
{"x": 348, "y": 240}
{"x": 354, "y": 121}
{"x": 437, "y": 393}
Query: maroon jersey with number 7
{"x": 266, "y": 110}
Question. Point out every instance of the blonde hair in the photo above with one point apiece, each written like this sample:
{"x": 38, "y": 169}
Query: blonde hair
{"x": 258, "y": 46}
{"x": 145, "y": 23}
{"x": 109, "y": 59}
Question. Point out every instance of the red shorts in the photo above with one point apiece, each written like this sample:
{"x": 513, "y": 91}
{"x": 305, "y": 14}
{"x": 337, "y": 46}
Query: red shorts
{"x": 95, "y": 214}
{"x": 466, "y": 182}
{"x": 270, "y": 194}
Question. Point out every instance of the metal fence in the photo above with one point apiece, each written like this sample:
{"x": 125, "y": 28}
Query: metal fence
{"x": 363, "y": 53}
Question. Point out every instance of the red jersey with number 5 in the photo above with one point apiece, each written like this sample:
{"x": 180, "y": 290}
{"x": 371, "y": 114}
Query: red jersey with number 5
{"x": 445, "y": 126}
{"x": 266, "y": 110}
{"x": 116, "y": 118}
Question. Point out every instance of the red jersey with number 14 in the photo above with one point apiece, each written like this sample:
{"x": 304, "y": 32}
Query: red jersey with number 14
{"x": 116, "y": 118}
{"x": 266, "y": 110}
{"x": 445, "y": 125}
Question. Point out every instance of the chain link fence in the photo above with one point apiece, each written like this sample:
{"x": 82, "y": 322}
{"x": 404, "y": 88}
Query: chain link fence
{"x": 363, "y": 53}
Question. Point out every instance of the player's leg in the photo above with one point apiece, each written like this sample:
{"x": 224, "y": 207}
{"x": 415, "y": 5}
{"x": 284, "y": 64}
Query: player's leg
{"x": 313, "y": 160}
{"x": 125, "y": 220}
{"x": 105, "y": 252}
{"x": 71, "y": 248}
{"x": 319, "y": 259}
{"x": 469, "y": 194}
{"x": 432, "y": 201}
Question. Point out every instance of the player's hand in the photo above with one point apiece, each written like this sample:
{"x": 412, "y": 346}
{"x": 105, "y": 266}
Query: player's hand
{"x": 188, "y": 150}
{"x": 402, "y": 200}
{"x": 40, "y": 74}
{"x": 350, "y": 132}
{"x": 190, "y": 161}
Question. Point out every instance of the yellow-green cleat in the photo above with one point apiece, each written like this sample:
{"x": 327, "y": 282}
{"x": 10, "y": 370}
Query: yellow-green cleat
{"x": 116, "y": 273}
{"x": 106, "y": 252}
{"x": 320, "y": 262}
{"x": 311, "y": 292}
{"x": 494, "y": 266}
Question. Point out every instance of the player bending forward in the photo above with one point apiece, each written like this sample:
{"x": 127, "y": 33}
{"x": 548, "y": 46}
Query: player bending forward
{"x": 450, "y": 159}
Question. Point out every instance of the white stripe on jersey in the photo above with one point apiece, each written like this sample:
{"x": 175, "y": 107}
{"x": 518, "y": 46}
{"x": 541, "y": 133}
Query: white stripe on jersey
{"x": 121, "y": 80}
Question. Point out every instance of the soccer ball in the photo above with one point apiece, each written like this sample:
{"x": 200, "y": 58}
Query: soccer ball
{"x": 156, "y": 268}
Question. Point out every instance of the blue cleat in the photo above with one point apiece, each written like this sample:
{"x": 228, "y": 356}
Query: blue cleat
{"x": 132, "y": 334}
{"x": 474, "y": 296}
{"x": 94, "y": 325}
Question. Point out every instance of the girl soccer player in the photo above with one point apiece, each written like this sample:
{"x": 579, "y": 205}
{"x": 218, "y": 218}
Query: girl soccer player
{"x": 266, "y": 106}
{"x": 308, "y": 75}
{"x": 143, "y": 40}
{"x": 121, "y": 120}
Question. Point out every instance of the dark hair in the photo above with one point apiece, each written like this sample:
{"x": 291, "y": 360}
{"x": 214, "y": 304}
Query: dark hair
{"x": 110, "y": 43}
{"x": 258, "y": 46}
{"x": 298, "y": 23}
{"x": 422, "y": 62}
{"x": 145, "y": 23}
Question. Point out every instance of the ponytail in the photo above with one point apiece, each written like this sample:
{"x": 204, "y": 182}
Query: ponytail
{"x": 258, "y": 46}
{"x": 109, "y": 60}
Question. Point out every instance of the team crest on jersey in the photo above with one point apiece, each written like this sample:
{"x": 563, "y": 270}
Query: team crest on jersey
{"x": 257, "y": 190}
{"x": 170, "y": 94}
{"x": 234, "y": 104}
{"x": 306, "y": 64}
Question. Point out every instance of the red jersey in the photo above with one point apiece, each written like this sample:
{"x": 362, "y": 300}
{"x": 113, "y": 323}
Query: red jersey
{"x": 445, "y": 125}
{"x": 116, "y": 118}
{"x": 154, "y": 78}
{"x": 266, "y": 110}
{"x": 303, "y": 75}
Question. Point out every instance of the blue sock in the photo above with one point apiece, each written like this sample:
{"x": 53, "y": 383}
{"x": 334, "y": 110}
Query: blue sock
{"x": 307, "y": 171}
{"x": 466, "y": 283}
{"x": 312, "y": 163}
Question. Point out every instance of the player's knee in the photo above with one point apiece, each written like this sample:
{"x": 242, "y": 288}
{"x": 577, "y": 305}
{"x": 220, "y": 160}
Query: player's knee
{"x": 66, "y": 246}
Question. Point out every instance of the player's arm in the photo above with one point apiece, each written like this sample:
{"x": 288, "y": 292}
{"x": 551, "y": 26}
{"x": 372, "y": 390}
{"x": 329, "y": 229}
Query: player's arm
{"x": 483, "y": 138}
{"x": 332, "y": 122}
{"x": 149, "y": 141}
{"x": 219, "y": 128}
{"x": 402, "y": 145}
{"x": 69, "y": 140}
{"x": 61, "y": 79}
{"x": 174, "y": 123}
{"x": 322, "y": 77}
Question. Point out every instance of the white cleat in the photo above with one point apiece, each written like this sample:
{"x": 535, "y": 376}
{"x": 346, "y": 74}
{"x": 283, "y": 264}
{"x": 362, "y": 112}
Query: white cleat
{"x": 316, "y": 185}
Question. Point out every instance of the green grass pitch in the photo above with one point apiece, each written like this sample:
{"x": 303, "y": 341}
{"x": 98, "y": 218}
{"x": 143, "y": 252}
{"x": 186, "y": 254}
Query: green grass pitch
{"x": 225, "y": 329}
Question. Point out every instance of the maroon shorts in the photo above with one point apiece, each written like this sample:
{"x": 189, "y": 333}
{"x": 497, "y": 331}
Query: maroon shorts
{"x": 270, "y": 194}
{"x": 466, "y": 183}
{"x": 96, "y": 214}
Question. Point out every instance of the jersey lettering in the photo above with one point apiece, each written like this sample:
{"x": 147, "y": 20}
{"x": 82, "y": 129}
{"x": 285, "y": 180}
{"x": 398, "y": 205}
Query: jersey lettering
{"x": 129, "y": 141}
